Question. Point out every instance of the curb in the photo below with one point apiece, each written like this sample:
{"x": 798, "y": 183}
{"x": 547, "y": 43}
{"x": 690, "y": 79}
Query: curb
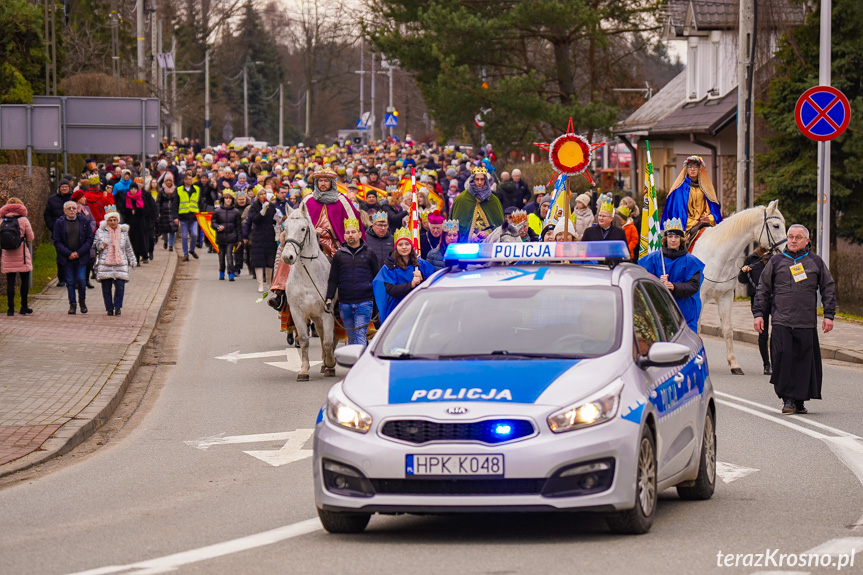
{"x": 92, "y": 417}
{"x": 827, "y": 351}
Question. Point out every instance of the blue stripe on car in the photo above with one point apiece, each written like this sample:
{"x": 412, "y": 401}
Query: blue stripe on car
{"x": 509, "y": 381}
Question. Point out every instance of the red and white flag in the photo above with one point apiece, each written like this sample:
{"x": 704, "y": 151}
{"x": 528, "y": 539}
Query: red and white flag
{"x": 415, "y": 220}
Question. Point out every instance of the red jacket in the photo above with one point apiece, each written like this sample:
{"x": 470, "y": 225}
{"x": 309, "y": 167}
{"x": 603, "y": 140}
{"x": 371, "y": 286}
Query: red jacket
{"x": 97, "y": 202}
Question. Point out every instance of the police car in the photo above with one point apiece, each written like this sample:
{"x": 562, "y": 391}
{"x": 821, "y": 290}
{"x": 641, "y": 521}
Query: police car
{"x": 564, "y": 381}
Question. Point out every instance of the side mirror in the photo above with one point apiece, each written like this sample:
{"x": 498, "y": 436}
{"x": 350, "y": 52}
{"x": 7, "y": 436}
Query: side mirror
{"x": 664, "y": 354}
{"x": 348, "y": 355}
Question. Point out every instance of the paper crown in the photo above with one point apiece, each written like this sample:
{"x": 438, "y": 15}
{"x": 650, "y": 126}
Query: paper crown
{"x": 518, "y": 217}
{"x": 424, "y": 215}
{"x": 450, "y": 226}
{"x": 479, "y": 170}
{"x": 379, "y": 217}
{"x": 673, "y": 225}
{"x": 403, "y": 234}
{"x": 624, "y": 211}
{"x": 697, "y": 159}
{"x": 93, "y": 179}
{"x": 606, "y": 204}
{"x": 392, "y": 189}
{"x": 111, "y": 211}
{"x": 352, "y": 224}
{"x": 258, "y": 189}
{"x": 539, "y": 189}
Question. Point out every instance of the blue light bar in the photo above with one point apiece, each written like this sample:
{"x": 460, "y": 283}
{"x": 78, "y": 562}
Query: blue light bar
{"x": 538, "y": 251}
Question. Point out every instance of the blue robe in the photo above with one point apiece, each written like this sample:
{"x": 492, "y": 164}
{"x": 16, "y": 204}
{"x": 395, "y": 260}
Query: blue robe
{"x": 677, "y": 205}
{"x": 679, "y": 270}
{"x": 396, "y": 275}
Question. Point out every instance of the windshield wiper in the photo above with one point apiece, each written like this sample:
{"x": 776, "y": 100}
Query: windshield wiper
{"x": 503, "y": 354}
{"x": 403, "y": 354}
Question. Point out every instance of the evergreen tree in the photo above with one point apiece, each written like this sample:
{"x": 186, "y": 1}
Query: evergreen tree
{"x": 22, "y": 52}
{"x": 789, "y": 170}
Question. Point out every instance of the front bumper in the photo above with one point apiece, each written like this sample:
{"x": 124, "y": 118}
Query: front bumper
{"x": 530, "y": 483}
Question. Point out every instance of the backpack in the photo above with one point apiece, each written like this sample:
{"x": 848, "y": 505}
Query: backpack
{"x": 10, "y": 234}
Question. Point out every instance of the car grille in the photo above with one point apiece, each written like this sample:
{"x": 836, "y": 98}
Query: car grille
{"x": 489, "y": 431}
{"x": 458, "y": 486}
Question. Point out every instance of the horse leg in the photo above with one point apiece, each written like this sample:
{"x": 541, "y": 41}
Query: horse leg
{"x": 302, "y": 324}
{"x": 726, "y": 301}
{"x": 326, "y": 329}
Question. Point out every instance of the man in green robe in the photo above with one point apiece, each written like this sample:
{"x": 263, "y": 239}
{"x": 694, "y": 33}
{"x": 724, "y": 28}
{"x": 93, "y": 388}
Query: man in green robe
{"x": 477, "y": 210}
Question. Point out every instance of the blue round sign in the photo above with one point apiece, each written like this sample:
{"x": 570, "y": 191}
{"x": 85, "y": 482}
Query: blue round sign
{"x": 822, "y": 113}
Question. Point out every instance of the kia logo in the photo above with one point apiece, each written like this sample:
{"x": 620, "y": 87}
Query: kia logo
{"x": 456, "y": 410}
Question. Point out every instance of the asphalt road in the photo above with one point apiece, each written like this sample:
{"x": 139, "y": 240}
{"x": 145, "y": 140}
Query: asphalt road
{"x": 176, "y": 489}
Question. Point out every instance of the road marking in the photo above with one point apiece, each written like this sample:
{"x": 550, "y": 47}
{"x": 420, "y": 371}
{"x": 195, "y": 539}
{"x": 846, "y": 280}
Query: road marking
{"x": 729, "y": 472}
{"x": 172, "y": 562}
{"x": 845, "y": 446}
{"x": 291, "y": 451}
{"x": 842, "y": 546}
{"x": 235, "y": 356}
{"x": 292, "y": 364}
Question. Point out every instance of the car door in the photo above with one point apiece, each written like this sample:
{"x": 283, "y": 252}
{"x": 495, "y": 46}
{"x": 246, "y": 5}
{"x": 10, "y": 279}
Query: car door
{"x": 677, "y": 392}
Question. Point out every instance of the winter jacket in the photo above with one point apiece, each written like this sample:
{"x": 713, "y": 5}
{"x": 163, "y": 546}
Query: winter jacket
{"x": 383, "y": 247}
{"x": 127, "y": 254}
{"x": 632, "y": 237}
{"x": 97, "y": 201}
{"x": 85, "y": 238}
{"x": 352, "y": 272}
{"x": 54, "y": 208}
{"x": 594, "y": 234}
{"x": 259, "y": 229}
{"x": 509, "y": 195}
{"x": 395, "y": 215}
{"x": 794, "y": 303}
{"x": 523, "y": 194}
{"x": 166, "y": 223}
{"x": 584, "y": 218}
{"x": 231, "y": 219}
{"x": 17, "y": 260}
{"x": 751, "y": 278}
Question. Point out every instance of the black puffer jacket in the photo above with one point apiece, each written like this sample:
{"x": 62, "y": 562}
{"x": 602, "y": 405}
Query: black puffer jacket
{"x": 352, "y": 272}
{"x": 231, "y": 219}
{"x": 383, "y": 247}
{"x": 259, "y": 229}
{"x": 54, "y": 208}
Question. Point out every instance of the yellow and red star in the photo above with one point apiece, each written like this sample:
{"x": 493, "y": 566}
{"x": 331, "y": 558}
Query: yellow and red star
{"x": 570, "y": 154}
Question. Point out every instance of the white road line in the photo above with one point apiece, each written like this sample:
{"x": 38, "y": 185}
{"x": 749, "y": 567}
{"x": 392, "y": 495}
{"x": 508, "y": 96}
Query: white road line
{"x": 843, "y": 546}
{"x": 234, "y": 356}
{"x": 807, "y": 420}
{"x": 291, "y": 451}
{"x": 172, "y": 562}
{"x": 846, "y": 446}
{"x": 208, "y": 442}
{"x": 729, "y": 472}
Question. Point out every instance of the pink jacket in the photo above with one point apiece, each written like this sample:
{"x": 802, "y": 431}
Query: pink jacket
{"x": 14, "y": 261}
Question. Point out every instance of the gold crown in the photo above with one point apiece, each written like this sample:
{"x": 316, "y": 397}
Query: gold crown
{"x": 479, "y": 170}
{"x": 352, "y": 224}
{"x": 424, "y": 215}
{"x": 624, "y": 211}
{"x": 606, "y": 204}
{"x": 450, "y": 226}
{"x": 673, "y": 224}
{"x": 379, "y": 216}
{"x": 391, "y": 189}
{"x": 403, "y": 234}
{"x": 93, "y": 179}
{"x": 519, "y": 217}
{"x": 539, "y": 189}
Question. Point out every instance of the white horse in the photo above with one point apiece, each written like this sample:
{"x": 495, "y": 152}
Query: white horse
{"x": 306, "y": 287}
{"x": 721, "y": 246}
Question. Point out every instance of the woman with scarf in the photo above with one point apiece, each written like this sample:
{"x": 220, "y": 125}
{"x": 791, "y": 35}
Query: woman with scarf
{"x": 165, "y": 225}
{"x": 402, "y": 272}
{"x": 259, "y": 229}
{"x": 135, "y": 213}
{"x": 477, "y": 210}
{"x": 114, "y": 258}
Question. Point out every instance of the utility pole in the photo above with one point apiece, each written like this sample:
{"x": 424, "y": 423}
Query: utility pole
{"x": 115, "y": 46}
{"x": 207, "y": 97}
{"x": 281, "y": 114}
{"x": 50, "y": 48}
{"x": 308, "y": 107}
{"x": 175, "y": 116}
{"x": 139, "y": 17}
{"x": 745, "y": 134}
{"x": 824, "y": 79}
{"x": 154, "y": 41}
{"x": 372, "y": 117}
{"x": 362, "y": 73}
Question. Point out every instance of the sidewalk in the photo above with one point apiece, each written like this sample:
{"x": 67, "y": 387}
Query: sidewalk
{"x": 844, "y": 343}
{"x": 63, "y": 375}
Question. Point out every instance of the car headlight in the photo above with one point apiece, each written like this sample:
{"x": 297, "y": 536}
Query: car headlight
{"x": 591, "y": 411}
{"x": 345, "y": 414}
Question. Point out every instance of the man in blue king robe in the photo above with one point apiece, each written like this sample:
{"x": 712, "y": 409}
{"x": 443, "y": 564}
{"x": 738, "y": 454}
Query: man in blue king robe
{"x": 692, "y": 198}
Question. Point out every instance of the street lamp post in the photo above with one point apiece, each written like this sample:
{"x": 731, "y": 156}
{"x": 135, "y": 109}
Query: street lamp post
{"x": 246, "y": 96}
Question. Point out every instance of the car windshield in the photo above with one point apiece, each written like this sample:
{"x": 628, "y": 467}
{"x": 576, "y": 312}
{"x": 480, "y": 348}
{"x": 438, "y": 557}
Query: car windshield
{"x": 504, "y": 323}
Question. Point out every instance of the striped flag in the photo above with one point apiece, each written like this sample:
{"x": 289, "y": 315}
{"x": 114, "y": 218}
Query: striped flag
{"x": 415, "y": 220}
{"x": 650, "y": 231}
{"x": 556, "y": 208}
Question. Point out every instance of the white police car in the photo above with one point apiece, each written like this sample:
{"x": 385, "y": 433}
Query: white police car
{"x": 541, "y": 386}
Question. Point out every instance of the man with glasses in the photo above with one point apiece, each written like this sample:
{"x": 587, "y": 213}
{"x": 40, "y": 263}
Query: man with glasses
{"x": 788, "y": 291}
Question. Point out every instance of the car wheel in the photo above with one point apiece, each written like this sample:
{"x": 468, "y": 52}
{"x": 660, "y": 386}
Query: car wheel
{"x": 341, "y": 522}
{"x": 639, "y": 519}
{"x": 704, "y": 485}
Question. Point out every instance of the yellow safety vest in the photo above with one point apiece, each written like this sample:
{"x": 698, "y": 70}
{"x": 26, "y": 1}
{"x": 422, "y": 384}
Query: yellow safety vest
{"x": 189, "y": 202}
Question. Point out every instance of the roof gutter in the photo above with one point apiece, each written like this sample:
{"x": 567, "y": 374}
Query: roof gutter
{"x": 714, "y": 157}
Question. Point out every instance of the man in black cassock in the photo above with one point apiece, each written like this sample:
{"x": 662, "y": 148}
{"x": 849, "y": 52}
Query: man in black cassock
{"x": 788, "y": 291}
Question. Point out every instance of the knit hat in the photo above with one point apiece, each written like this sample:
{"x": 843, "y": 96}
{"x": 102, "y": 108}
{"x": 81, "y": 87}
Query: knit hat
{"x": 559, "y": 227}
{"x": 584, "y": 199}
{"x": 77, "y": 195}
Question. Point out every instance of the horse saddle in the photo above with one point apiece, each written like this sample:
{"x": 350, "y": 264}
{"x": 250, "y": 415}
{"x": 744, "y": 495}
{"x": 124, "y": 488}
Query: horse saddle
{"x": 693, "y": 234}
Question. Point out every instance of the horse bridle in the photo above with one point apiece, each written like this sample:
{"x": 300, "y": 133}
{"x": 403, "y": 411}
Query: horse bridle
{"x": 301, "y": 246}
